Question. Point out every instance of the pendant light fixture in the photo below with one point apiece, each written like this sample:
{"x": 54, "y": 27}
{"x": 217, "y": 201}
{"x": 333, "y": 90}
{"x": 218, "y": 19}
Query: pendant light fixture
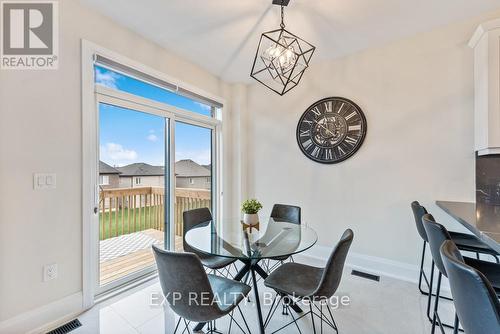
{"x": 281, "y": 58}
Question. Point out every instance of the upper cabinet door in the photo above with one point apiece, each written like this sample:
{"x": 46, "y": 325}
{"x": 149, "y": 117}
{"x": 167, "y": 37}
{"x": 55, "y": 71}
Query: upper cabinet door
{"x": 486, "y": 45}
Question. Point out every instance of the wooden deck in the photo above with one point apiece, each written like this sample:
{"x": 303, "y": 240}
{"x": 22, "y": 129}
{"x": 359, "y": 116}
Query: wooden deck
{"x": 124, "y": 265}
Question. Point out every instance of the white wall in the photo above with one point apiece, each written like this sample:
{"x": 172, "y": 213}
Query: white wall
{"x": 40, "y": 131}
{"x": 417, "y": 95}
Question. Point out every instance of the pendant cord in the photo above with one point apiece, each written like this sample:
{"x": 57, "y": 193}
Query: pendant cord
{"x": 282, "y": 25}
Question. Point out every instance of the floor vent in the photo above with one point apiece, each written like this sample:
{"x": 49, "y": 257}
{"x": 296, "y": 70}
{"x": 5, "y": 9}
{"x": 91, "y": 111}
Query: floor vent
{"x": 66, "y": 328}
{"x": 365, "y": 275}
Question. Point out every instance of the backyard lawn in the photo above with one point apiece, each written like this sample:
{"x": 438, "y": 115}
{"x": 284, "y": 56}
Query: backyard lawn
{"x": 129, "y": 220}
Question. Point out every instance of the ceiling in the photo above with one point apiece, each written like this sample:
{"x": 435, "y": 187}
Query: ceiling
{"x": 222, "y": 36}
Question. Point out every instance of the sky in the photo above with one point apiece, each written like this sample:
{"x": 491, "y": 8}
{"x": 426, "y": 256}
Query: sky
{"x": 128, "y": 136}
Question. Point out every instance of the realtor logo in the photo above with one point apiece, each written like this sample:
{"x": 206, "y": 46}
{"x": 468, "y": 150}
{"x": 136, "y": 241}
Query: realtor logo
{"x": 29, "y": 35}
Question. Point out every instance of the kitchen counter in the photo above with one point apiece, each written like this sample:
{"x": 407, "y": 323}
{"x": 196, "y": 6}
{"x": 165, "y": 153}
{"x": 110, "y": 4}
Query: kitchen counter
{"x": 483, "y": 220}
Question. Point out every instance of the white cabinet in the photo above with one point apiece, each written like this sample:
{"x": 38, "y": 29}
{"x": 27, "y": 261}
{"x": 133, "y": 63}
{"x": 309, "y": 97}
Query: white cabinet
{"x": 486, "y": 45}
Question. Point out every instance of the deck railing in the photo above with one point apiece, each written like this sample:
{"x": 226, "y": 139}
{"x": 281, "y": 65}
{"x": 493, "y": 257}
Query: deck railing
{"x": 127, "y": 210}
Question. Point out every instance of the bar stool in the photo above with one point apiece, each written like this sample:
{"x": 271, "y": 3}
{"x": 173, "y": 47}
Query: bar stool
{"x": 475, "y": 299}
{"x": 437, "y": 235}
{"x": 464, "y": 242}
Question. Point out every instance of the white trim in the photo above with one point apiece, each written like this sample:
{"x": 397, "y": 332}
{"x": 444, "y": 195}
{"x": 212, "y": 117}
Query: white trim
{"x": 46, "y": 317}
{"x": 481, "y": 30}
{"x": 370, "y": 264}
{"x": 180, "y": 114}
{"x": 488, "y": 151}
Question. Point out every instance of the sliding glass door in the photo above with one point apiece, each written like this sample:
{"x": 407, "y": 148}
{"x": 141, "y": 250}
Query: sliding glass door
{"x": 132, "y": 197}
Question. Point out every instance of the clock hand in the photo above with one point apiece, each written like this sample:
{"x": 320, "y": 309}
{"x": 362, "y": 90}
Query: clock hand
{"x": 326, "y": 129}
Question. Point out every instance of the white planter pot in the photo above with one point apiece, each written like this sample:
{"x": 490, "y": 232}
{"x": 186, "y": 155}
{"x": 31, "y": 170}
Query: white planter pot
{"x": 251, "y": 219}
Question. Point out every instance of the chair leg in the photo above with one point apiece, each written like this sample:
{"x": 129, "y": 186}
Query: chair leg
{"x": 436, "y": 302}
{"x": 422, "y": 270}
{"x": 430, "y": 292}
{"x": 455, "y": 326}
{"x": 244, "y": 320}
{"x": 272, "y": 309}
{"x": 312, "y": 316}
{"x": 177, "y": 325}
{"x": 436, "y": 320}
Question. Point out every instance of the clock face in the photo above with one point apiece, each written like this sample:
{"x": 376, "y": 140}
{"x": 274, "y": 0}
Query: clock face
{"x": 331, "y": 130}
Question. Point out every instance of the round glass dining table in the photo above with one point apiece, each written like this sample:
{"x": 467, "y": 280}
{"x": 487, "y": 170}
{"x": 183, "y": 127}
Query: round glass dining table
{"x": 271, "y": 238}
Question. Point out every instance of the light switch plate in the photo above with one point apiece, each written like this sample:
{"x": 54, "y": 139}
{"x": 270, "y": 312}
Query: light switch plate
{"x": 44, "y": 181}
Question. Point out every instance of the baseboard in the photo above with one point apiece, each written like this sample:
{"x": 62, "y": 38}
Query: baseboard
{"x": 370, "y": 264}
{"x": 44, "y": 318}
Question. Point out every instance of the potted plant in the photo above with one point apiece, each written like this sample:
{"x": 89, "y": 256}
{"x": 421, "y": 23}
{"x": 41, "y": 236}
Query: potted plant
{"x": 250, "y": 208}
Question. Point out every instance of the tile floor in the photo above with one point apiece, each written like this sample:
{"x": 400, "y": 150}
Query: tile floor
{"x": 388, "y": 306}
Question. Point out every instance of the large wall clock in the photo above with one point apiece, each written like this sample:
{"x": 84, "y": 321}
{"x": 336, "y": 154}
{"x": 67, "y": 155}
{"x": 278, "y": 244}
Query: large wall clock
{"x": 331, "y": 130}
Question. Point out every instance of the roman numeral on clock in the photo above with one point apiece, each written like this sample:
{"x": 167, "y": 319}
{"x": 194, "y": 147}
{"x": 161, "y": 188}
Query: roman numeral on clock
{"x": 351, "y": 115}
{"x": 329, "y": 106}
{"x": 329, "y": 154}
{"x": 306, "y": 133}
{"x": 351, "y": 140}
{"x": 316, "y": 111}
{"x": 316, "y": 152}
{"x": 308, "y": 143}
{"x": 356, "y": 127}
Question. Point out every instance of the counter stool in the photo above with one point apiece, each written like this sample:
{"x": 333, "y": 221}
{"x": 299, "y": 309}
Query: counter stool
{"x": 464, "y": 242}
{"x": 437, "y": 235}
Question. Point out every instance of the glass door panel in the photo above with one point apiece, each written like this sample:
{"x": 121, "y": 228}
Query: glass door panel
{"x": 132, "y": 197}
{"x": 193, "y": 173}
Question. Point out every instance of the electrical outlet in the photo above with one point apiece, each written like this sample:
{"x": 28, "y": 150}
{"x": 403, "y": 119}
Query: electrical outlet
{"x": 49, "y": 272}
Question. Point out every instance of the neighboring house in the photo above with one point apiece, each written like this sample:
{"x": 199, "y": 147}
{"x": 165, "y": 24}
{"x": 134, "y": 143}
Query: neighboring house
{"x": 109, "y": 177}
{"x": 141, "y": 174}
{"x": 189, "y": 174}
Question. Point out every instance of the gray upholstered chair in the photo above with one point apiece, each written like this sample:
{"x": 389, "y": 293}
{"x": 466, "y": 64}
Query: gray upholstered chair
{"x": 437, "y": 235}
{"x": 195, "y": 295}
{"x": 475, "y": 299}
{"x": 304, "y": 282}
{"x": 196, "y": 217}
{"x": 288, "y": 214}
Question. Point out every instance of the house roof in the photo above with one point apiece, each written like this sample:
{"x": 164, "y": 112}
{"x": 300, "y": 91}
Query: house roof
{"x": 189, "y": 168}
{"x": 183, "y": 168}
{"x": 104, "y": 168}
{"x": 141, "y": 169}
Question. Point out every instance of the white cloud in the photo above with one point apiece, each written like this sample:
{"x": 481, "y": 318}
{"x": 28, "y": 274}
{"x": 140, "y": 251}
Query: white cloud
{"x": 116, "y": 154}
{"x": 202, "y": 157}
{"x": 203, "y": 106}
{"x": 107, "y": 79}
{"x": 152, "y": 137}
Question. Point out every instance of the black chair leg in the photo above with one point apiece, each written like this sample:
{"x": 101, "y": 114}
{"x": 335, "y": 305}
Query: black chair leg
{"x": 312, "y": 317}
{"x": 455, "y": 326}
{"x": 430, "y": 292}
{"x": 436, "y": 303}
{"x": 422, "y": 270}
{"x": 177, "y": 325}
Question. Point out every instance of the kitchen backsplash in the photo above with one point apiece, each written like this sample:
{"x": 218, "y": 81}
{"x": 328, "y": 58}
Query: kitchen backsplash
{"x": 488, "y": 179}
